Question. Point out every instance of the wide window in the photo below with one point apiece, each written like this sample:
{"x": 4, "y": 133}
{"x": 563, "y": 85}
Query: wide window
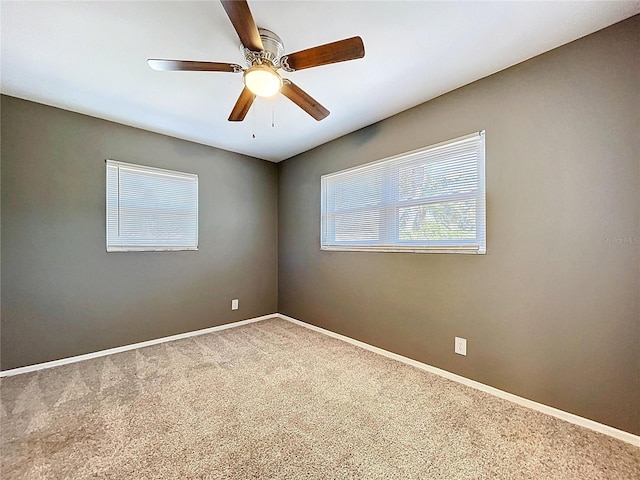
{"x": 427, "y": 200}
{"x": 150, "y": 209}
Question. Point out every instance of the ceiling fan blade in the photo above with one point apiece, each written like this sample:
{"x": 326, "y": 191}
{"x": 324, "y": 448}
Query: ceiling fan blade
{"x": 303, "y": 100}
{"x": 242, "y": 20}
{"x": 192, "y": 66}
{"x": 242, "y": 106}
{"x": 340, "y": 51}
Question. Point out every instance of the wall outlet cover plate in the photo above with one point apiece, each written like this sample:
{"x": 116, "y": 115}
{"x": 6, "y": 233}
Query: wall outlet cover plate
{"x": 460, "y": 346}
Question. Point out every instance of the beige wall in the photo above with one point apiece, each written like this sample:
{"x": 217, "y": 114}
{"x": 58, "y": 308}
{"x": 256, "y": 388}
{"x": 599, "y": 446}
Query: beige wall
{"x": 552, "y": 311}
{"x": 63, "y": 295}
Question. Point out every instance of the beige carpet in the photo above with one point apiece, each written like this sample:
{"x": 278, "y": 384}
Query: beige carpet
{"x": 273, "y": 400}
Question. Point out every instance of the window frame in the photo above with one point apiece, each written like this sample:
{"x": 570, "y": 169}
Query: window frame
{"x": 389, "y": 240}
{"x": 162, "y": 244}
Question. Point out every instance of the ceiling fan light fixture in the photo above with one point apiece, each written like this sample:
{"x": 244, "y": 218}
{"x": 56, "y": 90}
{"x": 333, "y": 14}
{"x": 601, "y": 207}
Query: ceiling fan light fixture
{"x": 262, "y": 80}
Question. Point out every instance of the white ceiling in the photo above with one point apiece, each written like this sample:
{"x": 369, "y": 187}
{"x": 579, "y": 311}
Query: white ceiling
{"x": 90, "y": 57}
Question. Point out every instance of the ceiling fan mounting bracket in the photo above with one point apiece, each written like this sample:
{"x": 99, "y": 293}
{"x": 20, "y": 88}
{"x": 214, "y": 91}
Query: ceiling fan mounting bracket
{"x": 273, "y": 50}
{"x": 284, "y": 64}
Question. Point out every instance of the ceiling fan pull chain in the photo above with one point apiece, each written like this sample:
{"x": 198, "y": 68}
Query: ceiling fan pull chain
{"x": 273, "y": 114}
{"x": 253, "y": 122}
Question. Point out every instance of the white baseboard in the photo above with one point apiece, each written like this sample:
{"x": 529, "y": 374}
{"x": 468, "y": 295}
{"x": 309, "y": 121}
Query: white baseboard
{"x": 554, "y": 412}
{"x": 133, "y": 346}
{"x": 562, "y": 415}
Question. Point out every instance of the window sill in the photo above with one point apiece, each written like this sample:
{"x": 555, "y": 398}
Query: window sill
{"x": 470, "y": 250}
{"x": 150, "y": 249}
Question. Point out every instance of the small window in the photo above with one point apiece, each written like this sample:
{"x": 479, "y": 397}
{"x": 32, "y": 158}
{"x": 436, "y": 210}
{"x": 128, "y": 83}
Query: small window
{"x": 150, "y": 209}
{"x": 427, "y": 200}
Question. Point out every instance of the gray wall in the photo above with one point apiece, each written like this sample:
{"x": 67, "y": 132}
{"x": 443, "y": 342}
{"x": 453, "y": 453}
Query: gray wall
{"x": 63, "y": 295}
{"x": 551, "y": 313}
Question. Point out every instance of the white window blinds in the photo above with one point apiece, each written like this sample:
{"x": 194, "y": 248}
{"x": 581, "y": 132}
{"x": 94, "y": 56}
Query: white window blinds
{"x": 428, "y": 200}
{"x": 150, "y": 209}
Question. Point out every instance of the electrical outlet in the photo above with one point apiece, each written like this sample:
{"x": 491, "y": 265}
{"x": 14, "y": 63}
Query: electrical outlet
{"x": 460, "y": 346}
{"x": 234, "y": 304}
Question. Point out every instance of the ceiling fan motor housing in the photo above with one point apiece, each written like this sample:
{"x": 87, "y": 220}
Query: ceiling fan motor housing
{"x": 273, "y": 50}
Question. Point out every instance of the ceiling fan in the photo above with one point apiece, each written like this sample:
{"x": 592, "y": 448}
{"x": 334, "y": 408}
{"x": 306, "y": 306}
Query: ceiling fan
{"x": 264, "y": 53}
